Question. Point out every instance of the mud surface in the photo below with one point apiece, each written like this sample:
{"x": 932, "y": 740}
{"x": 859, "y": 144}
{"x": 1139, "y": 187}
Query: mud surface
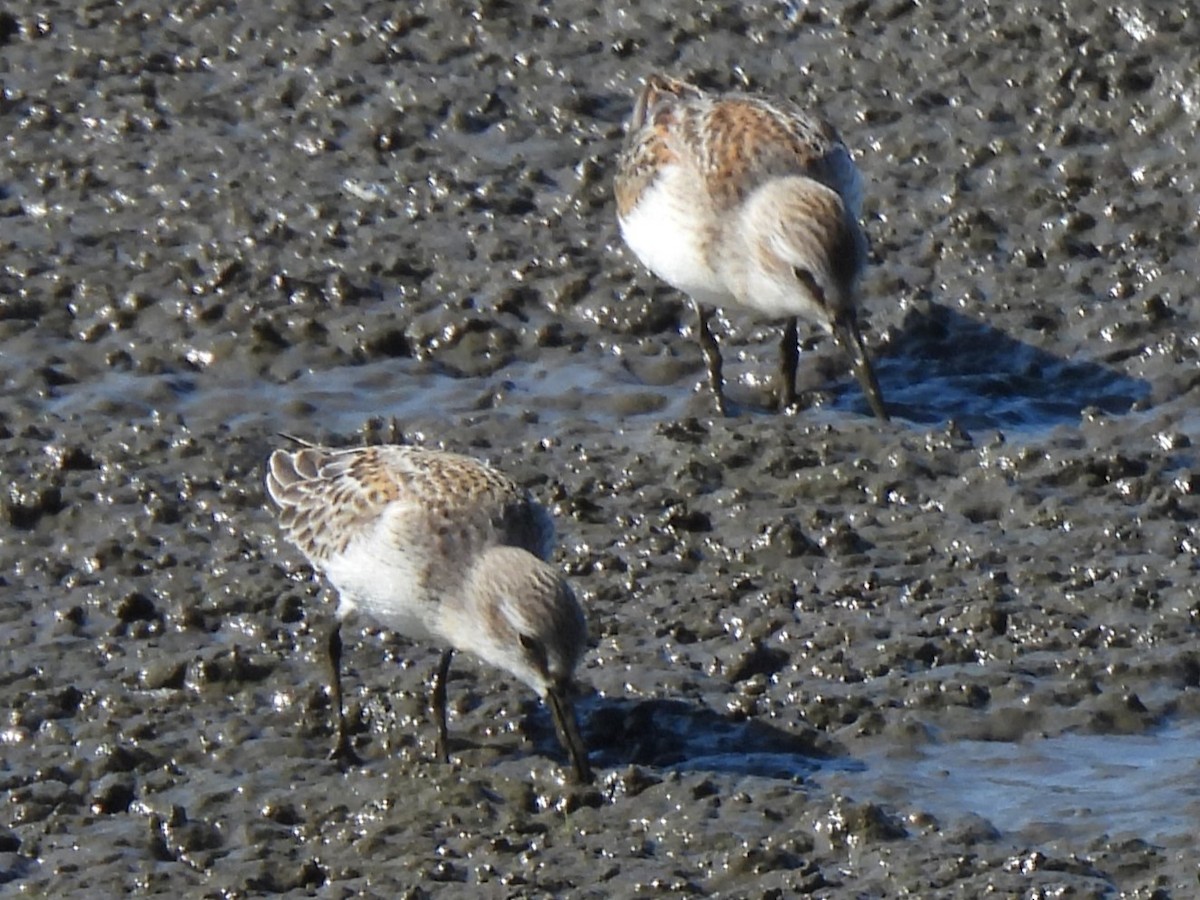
{"x": 830, "y": 656}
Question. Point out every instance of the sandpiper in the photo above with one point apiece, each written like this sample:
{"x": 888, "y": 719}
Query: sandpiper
{"x": 744, "y": 200}
{"x": 440, "y": 547}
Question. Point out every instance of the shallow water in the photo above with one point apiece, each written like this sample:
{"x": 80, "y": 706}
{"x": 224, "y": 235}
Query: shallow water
{"x": 1081, "y": 787}
{"x": 339, "y": 400}
{"x": 1014, "y": 387}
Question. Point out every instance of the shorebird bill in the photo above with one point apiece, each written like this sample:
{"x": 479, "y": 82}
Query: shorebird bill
{"x": 847, "y": 333}
{"x": 562, "y": 710}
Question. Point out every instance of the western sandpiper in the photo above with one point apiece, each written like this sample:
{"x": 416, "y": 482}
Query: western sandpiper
{"x": 739, "y": 199}
{"x": 441, "y": 547}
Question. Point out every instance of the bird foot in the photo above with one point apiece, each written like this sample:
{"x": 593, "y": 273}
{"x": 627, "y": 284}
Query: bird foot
{"x": 344, "y": 755}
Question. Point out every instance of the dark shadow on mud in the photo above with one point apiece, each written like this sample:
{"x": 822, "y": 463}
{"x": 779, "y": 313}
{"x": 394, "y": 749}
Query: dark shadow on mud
{"x": 944, "y": 365}
{"x": 687, "y": 737}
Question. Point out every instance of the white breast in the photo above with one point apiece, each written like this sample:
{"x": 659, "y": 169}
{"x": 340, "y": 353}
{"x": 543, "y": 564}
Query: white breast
{"x": 670, "y": 230}
{"x": 386, "y": 582}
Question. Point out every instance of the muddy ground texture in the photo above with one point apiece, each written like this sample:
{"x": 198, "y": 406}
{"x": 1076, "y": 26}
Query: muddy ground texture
{"x": 230, "y": 221}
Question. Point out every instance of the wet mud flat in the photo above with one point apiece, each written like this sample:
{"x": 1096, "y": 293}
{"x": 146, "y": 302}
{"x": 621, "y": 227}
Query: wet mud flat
{"x": 830, "y": 656}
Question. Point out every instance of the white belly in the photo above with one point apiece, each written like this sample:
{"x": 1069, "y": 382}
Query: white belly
{"x": 672, "y": 232}
{"x": 386, "y": 588}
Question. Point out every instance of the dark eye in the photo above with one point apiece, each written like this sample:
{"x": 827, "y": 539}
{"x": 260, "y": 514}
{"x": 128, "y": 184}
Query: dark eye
{"x": 535, "y": 649}
{"x": 806, "y": 278}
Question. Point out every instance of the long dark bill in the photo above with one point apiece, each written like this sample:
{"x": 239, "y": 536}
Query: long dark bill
{"x": 562, "y": 710}
{"x": 850, "y": 337}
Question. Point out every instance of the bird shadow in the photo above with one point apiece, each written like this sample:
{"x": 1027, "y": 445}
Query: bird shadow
{"x": 674, "y": 735}
{"x": 944, "y": 365}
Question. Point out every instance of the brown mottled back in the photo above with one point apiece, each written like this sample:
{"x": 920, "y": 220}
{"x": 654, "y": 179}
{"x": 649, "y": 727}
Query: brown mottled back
{"x": 734, "y": 141}
{"x": 435, "y": 501}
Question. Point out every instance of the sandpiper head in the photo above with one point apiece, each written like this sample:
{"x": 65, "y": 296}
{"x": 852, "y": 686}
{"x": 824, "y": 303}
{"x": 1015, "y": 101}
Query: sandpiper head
{"x": 520, "y": 616}
{"x": 797, "y": 252}
{"x": 794, "y": 251}
{"x": 551, "y": 633}
{"x": 525, "y": 619}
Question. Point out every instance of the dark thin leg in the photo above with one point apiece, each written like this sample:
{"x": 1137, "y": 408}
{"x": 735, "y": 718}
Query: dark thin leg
{"x": 343, "y": 753}
{"x": 789, "y": 361}
{"x": 712, "y": 356}
{"x": 438, "y": 701}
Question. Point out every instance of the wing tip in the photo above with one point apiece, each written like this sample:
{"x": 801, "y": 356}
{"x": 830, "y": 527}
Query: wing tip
{"x": 288, "y": 468}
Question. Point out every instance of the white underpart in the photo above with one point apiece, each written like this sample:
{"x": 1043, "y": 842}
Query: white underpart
{"x": 380, "y": 576}
{"x": 377, "y": 576}
{"x": 666, "y": 231}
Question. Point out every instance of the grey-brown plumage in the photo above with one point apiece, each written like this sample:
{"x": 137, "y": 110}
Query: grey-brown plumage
{"x": 737, "y": 199}
{"x": 438, "y": 546}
